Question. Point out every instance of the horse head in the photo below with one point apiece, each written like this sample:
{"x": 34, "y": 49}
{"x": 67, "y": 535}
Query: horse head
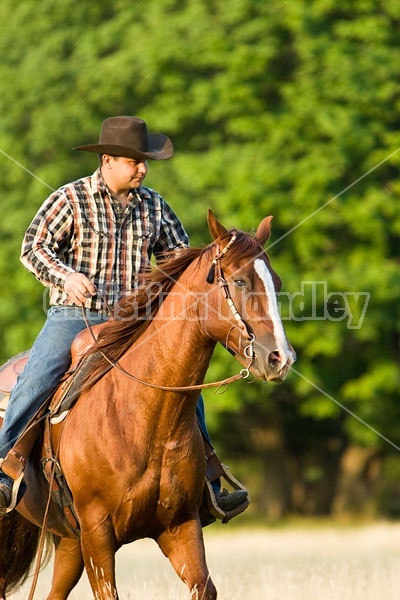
{"x": 245, "y": 316}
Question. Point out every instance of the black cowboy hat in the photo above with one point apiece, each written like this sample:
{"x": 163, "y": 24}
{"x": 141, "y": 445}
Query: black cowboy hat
{"x": 128, "y": 136}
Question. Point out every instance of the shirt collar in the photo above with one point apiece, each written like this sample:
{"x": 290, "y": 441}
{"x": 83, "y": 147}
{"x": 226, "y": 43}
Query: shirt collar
{"x": 99, "y": 186}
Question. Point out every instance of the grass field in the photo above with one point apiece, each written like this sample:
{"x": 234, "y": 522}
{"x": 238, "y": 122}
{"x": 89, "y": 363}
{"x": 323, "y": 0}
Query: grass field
{"x": 303, "y": 562}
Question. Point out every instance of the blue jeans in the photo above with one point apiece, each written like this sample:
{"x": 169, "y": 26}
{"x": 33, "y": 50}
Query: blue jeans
{"x": 50, "y": 357}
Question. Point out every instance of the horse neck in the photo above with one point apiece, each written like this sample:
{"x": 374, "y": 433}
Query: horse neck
{"x": 177, "y": 347}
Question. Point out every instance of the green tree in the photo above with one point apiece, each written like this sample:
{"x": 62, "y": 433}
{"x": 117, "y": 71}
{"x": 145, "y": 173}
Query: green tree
{"x": 287, "y": 109}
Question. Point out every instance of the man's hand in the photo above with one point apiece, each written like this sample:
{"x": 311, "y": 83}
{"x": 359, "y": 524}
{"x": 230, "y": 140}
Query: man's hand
{"x": 79, "y": 288}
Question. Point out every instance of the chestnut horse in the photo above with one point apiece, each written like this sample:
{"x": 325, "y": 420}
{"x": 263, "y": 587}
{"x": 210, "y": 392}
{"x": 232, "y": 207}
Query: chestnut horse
{"x": 132, "y": 454}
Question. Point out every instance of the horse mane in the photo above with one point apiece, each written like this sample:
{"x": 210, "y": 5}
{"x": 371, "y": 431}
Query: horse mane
{"x": 137, "y": 310}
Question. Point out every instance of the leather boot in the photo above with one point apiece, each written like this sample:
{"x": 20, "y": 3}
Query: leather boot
{"x": 6, "y": 484}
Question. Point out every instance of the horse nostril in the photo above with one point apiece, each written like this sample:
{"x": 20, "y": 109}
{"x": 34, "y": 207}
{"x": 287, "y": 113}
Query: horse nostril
{"x": 274, "y": 359}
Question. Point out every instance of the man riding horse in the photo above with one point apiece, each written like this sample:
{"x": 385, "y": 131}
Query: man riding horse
{"x": 89, "y": 243}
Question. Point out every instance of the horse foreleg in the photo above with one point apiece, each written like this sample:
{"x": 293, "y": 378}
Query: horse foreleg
{"x": 68, "y": 567}
{"x": 184, "y": 546}
{"x": 98, "y": 549}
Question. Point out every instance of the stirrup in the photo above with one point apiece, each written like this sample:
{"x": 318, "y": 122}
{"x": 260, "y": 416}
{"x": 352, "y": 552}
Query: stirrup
{"x": 213, "y": 507}
{"x": 14, "y": 491}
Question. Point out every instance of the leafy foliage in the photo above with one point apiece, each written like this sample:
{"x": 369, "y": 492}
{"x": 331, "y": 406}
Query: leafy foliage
{"x": 287, "y": 109}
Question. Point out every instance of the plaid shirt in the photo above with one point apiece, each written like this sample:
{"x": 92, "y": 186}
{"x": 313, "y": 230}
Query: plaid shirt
{"x": 82, "y": 228}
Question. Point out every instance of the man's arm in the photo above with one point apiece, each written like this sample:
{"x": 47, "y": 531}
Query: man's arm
{"x": 47, "y": 237}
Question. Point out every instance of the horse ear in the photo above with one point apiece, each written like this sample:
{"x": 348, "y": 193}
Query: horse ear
{"x": 216, "y": 228}
{"x": 264, "y": 231}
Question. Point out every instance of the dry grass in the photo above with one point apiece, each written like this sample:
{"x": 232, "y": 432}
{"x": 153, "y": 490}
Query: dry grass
{"x": 299, "y": 563}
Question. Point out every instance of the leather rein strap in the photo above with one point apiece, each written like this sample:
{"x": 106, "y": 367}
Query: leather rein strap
{"x": 248, "y": 350}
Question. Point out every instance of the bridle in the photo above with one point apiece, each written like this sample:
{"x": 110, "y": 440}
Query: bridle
{"x": 248, "y": 351}
{"x": 224, "y": 287}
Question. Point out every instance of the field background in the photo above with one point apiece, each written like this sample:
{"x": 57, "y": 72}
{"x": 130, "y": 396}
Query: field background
{"x": 301, "y": 562}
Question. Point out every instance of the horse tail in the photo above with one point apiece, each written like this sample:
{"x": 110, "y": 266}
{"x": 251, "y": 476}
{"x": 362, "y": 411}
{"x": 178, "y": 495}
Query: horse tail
{"x": 19, "y": 541}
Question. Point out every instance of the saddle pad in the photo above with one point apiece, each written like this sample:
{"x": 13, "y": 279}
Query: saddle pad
{"x": 13, "y": 367}
{"x": 3, "y": 403}
{"x": 10, "y": 371}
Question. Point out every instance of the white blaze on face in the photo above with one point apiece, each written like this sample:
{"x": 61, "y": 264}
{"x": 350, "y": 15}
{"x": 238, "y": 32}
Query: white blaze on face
{"x": 280, "y": 337}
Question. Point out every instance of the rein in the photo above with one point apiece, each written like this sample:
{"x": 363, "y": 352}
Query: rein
{"x": 248, "y": 350}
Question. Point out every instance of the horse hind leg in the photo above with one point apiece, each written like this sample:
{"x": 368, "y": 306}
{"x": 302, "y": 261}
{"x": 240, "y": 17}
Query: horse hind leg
{"x": 68, "y": 567}
{"x": 184, "y": 547}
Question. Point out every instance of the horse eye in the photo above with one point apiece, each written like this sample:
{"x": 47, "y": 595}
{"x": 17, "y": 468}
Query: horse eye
{"x": 240, "y": 283}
